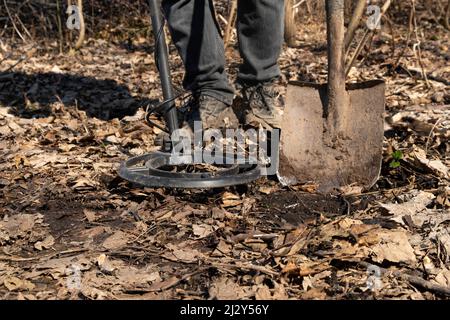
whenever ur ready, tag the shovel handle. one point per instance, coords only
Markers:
(336, 60)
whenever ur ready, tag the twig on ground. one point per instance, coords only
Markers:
(22, 58)
(247, 266)
(414, 280)
(430, 134)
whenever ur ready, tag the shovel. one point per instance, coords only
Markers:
(332, 134)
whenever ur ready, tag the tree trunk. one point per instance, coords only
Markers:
(290, 28)
(354, 22)
(82, 26)
(447, 16)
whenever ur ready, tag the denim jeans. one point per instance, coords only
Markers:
(196, 34)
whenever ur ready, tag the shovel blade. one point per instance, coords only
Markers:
(306, 155)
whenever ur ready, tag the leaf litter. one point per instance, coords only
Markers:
(70, 229)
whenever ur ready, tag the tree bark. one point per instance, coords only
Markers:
(290, 28)
(447, 16)
(82, 26)
(354, 22)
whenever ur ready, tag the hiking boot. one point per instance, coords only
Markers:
(213, 113)
(263, 105)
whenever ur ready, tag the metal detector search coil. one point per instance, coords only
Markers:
(148, 170)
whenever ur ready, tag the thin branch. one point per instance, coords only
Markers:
(12, 21)
(230, 23)
(82, 26)
(60, 30)
(416, 48)
(355, 21)
(408, 39)
(414, 280)
(366, 37)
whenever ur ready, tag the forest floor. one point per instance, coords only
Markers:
(71, 229)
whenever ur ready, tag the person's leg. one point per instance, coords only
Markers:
(195, 33)
(260, 25)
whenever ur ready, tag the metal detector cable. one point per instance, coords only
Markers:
(158, 108)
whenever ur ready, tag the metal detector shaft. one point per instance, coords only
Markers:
(150, 170)
(162, 62)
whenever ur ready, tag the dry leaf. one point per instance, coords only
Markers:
(222, 248)
(351, 190)
(104, 264)
(314, 294)
(18, 130)
(20, 225)
(263, 293)
(47, 243)
(218, 213)
(419, 158)
(418, 203)
(187, 255)
(267, 190)
(307, 283)
(90, 215)
(116, 241)
(41, 160)
(247, 205)
(180, 216)
(428, 265)
(226, 289)
(256, 245)
(202, 230)
(231, 200)
(393, 247)
(22, 296)
(21, 160)
(443, 198)
(16, 284)
(133, 277)
(65, 147)
(84, 184)
(157, 286)
(94, 293)
(443, 278)
(310, 188)
(443, 239)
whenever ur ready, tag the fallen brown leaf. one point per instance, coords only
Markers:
(47, 243)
